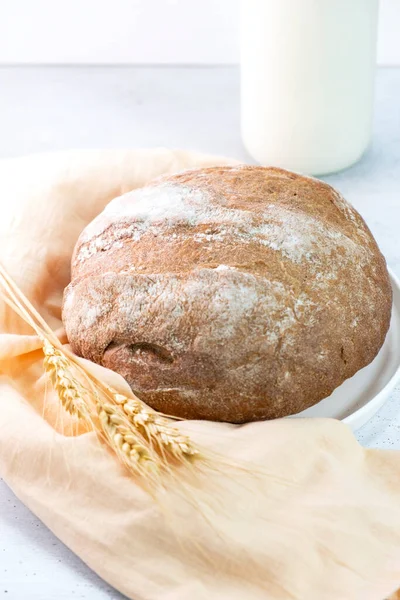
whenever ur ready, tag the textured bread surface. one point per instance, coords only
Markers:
(229, 293)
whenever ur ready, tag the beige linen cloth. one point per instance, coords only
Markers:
(320, 521)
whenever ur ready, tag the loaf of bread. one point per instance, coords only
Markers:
(229, 293)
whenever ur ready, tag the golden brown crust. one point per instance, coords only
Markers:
(229, 293)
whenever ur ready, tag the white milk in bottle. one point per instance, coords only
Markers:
(307, 81)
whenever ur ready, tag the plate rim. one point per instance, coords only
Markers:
(376, 401)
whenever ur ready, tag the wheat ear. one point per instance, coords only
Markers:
(165, 438)
(70, 391)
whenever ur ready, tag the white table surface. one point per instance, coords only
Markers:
(53, 108)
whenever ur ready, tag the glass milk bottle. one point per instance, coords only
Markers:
(307, 81)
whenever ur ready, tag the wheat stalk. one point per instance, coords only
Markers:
(118, 414)
(143, 440)
(88, 402)
(78, 401)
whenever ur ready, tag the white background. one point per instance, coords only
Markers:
(141, 31)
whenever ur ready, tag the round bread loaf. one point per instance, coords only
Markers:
(229, 293)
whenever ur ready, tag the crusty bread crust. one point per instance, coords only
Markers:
(229, 293)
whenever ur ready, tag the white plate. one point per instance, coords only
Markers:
(358, 399)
